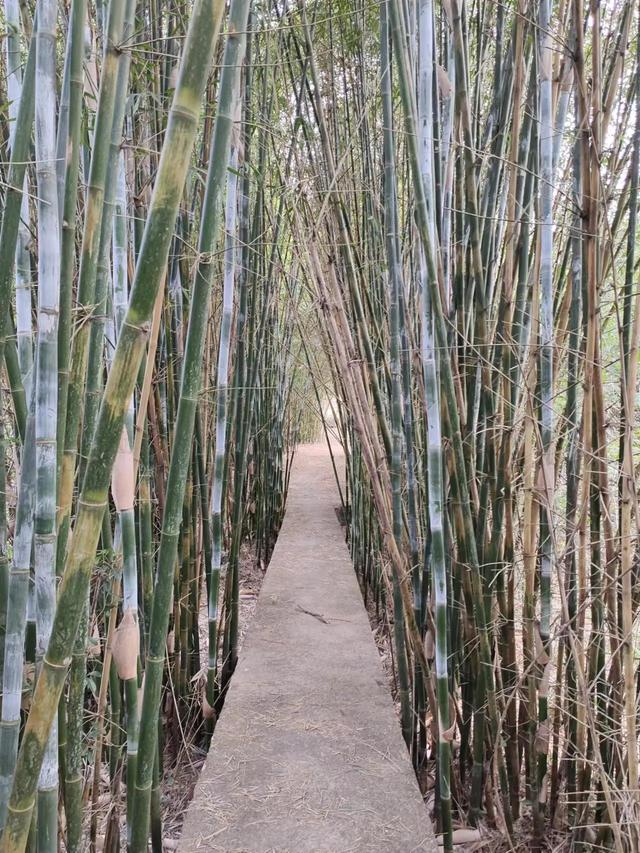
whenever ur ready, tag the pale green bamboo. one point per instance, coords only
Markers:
(46, 391)
(126, 515)
(221, 421)
(17, 619)
(546, 137)
(23, 281)
(430, 367)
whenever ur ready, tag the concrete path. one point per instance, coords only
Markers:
(308, 756)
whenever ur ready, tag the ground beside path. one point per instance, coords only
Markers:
(308, 754)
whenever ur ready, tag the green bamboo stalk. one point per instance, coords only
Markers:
(203, 489)
(13, 61)
(127, 648)
(4, 551)
(12, 363)
(189, 391)
(145, 533)
(22, 257)
(69, 143)
(17, 620)
(125, 504)
(20, 151)
(23, 280)
(74, 730)
(102, 271)
(23, 300)
(573, 474)
(629, 358)
(89, 257)
(68, 168)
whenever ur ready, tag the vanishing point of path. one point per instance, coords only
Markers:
(308, 756)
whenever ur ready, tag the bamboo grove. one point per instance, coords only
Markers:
(217, 218)
(150, 405)
(468, 229)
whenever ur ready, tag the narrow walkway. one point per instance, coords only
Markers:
(308, 756)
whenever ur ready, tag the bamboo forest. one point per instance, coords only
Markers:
(402, 233)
